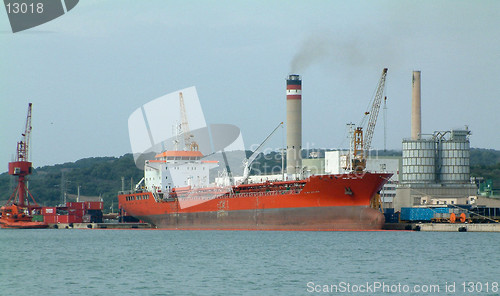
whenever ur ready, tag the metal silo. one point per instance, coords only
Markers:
(419, 161)
(454, 157)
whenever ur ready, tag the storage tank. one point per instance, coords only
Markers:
(454, 155)
(419, 161)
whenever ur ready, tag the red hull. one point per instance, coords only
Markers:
(23, 225)
(329, 202)
(14, 217)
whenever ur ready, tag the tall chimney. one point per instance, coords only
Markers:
(416, 125)
(293, 124)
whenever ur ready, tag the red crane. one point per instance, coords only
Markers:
(21, 167)
(17, 213)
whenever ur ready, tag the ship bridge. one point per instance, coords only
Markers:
(179, 155)
(172, 169)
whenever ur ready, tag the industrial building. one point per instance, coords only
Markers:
(314, 165)
(436, 168)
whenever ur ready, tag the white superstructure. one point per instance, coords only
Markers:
(173, 169)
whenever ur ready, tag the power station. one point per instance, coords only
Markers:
(436, 167)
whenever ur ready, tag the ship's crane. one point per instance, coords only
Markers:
(362, 144)
(248, 161)
(189, 144)
(22, 167)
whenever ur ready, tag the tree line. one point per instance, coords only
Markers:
(102, 176)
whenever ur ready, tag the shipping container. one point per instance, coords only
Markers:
(69, 219)
(86, 218)
(95, 216)
(52, 219)
(76, 212)
(416, 214)
(37, 218)
(76, 205)
(62, 218)
(75, 219)
(391, 217)
(441, 210)
(389, 211)
(94, 205)
(49, 211)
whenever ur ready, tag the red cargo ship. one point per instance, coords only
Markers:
(321, 202)
(177, 193)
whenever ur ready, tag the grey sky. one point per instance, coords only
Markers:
(88, 70)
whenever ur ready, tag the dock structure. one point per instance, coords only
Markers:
(101, 226)
(444, 227)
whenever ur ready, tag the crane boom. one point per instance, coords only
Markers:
(24, 145)
(361, 141)
(370, 129)
(247, 162)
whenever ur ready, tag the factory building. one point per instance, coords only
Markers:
(314, 165)
(435, 168)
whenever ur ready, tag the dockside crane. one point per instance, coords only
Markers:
(362, 141)
(22, 167)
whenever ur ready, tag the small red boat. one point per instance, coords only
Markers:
(14, 216)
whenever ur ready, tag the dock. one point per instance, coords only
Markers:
(101, 226)
(444, 227)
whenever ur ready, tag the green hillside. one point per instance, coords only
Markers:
(102, 176)
(96, 176)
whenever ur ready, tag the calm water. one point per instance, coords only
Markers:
(160, 262)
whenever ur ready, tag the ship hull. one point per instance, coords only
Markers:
(331, 202)
(21, 224)
(12, 216)
(312, 219)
